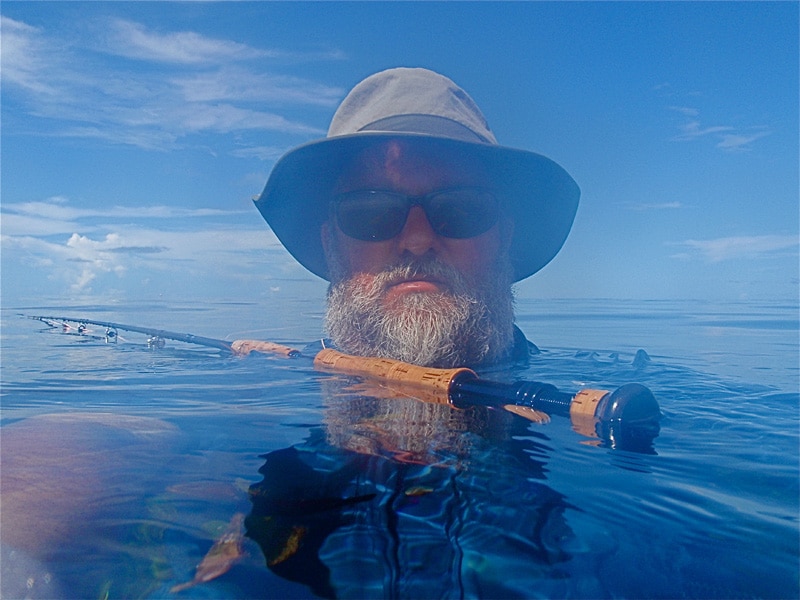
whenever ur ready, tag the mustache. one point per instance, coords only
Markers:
(420, 268)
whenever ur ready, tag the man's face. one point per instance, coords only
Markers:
(418, 296)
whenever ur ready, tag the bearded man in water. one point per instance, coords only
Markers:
(421, 222)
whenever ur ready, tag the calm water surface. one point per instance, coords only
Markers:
(122, 465)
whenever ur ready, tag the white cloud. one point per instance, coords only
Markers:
(208, 86)
(263, 153)
(236, 83)
(737, 141)
(55, 216)
(225, 118)
(115, 133)
(686, 110)
(133, 40)
(728, 137)
(645, 206)
(80, 250)
(80, 260)
(25, 56)
(692, 130)
(740, 247)
(77, 262)
(28, 224)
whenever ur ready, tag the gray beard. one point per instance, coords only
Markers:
(469, 324)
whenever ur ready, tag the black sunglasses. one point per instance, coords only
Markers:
(379, 215)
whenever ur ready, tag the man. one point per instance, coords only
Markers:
(420, 221)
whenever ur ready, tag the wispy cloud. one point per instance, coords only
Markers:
(740, 247)
(264, 153)
(727, 137)
(180, 84)
(691, 130)
(738, 141)
(133, 40)
(235, 83)
(648, 206)
(56, 215)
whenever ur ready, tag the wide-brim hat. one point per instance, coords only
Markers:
(430, 111)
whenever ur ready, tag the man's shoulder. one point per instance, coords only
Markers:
(523, 347)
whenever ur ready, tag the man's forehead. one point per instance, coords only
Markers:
(403, 163)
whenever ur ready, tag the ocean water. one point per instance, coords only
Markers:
(122, 464)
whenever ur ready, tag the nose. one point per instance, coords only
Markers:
(417, 236)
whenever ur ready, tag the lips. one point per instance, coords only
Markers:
(418, 277)
(413, 286)
(418, 285)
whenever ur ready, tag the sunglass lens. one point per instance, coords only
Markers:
(462, 213)
(371, 215)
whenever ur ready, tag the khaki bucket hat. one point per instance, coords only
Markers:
(429, 110)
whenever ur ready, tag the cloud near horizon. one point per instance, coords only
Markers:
(77, 246)
(740, 247)
(83, 258)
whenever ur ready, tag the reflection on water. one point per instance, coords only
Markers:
(405, 500)
(150, 457)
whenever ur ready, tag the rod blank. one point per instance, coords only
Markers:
(627, 418)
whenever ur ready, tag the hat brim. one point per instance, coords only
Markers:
(539, 195)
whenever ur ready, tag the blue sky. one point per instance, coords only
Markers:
(134, 136)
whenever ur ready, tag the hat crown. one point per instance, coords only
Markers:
(405, 100)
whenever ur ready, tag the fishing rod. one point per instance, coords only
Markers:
(156, 339)
(627, 418)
